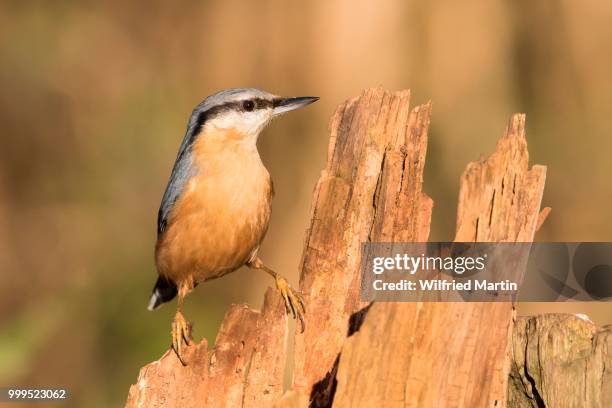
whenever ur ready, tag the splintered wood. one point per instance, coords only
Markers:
(499, 199)
(244, 368)
(370, 190)
(450, 354)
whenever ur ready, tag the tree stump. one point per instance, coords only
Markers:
(560, 360)
(388, 354)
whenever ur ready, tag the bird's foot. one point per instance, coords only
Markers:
(294, 302)
(181, 336)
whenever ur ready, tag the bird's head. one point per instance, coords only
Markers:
(242, 112)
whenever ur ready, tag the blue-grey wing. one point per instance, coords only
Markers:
(183, 170)
(181, 173)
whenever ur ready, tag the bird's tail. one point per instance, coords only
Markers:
(163, 291)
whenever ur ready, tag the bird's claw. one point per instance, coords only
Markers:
(181, 336)
(294, 302)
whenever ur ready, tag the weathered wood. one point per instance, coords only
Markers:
(560, 361)
(383, 354)
(499, 199)
(450, 354)
(244, 368)
(370, 189)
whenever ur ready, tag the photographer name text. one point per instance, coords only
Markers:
(445, 285)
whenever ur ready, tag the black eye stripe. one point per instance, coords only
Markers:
(262, 103)
(258, 103)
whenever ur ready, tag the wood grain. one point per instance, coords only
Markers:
(560, 361)
(244, 368)
(370, 188)
(449, 354)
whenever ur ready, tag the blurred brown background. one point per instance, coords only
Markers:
(95, 98)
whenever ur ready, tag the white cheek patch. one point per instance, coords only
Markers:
(250, 124)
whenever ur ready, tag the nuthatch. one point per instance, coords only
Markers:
(216, 208)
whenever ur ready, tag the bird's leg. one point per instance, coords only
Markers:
(294, 302)
(181, 328)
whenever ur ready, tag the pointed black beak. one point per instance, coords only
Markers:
(283, 105)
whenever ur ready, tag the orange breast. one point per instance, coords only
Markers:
(220, 218)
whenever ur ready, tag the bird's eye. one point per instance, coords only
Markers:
(248, 106)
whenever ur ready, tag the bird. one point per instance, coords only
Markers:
(216, 208)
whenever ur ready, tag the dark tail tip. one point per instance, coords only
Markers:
(163, 291)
